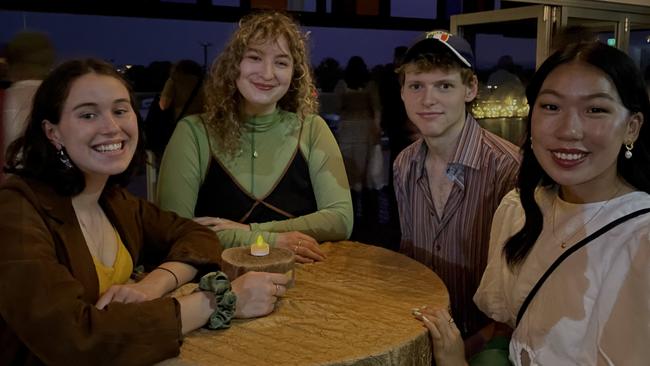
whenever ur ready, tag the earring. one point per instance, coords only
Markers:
(64, 158)
(628, 153)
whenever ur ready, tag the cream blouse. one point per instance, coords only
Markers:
(594, 309)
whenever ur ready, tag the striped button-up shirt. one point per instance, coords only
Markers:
(483, 169)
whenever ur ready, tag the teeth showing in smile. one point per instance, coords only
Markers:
(110, 147)
(565, 156)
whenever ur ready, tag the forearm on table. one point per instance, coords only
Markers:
(237, 237)
(323, 225)
(196, 309)
(164, 278)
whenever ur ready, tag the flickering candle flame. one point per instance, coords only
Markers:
(259, 248)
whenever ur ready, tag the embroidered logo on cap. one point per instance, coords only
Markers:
(440, 35)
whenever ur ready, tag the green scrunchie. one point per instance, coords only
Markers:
(219, 284)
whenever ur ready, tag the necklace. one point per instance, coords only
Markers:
(564, 242)
(253, 148)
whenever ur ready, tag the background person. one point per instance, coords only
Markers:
(358, 134)
(30, 56)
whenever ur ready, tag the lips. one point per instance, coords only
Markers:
(429, 115)
(568, 158)
(264, 87)
(109, 147)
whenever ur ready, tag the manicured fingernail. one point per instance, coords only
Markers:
(417, 313)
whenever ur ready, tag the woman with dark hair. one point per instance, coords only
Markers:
(72, 236)
(185, 76)
(260, 161)
(569, 250)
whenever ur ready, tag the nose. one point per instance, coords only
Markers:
(267, 70)
(569, 126)
(110, 124)
(429, 97)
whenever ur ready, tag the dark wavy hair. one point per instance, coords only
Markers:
(629, 84)
(34, 156)
(356, 74)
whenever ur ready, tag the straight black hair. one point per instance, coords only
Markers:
(631, 89)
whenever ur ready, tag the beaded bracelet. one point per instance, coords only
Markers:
(219, 284)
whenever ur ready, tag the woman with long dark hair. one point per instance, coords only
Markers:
(72, 235)
(569, 250)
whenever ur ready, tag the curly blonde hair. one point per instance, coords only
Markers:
(224, 117)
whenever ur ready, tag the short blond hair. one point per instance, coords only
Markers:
(442, 61)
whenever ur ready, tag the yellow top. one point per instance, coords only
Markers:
(121, 270)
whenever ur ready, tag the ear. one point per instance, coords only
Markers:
(633, 128)
(52, 133)
(472, 89)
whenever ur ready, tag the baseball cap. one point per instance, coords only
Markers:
(439, 41)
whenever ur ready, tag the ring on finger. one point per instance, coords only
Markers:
(277, 289)
(451, 321)
(295, 249)
(300, 242)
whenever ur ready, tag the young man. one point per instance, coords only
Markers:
(450, 181)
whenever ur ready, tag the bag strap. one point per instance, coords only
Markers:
(568, 252)
(186, 106)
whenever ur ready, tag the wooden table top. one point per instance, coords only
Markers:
(352, 309)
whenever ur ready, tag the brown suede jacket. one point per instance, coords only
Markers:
(48, 283)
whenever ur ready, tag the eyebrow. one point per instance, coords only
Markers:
(91, 104)
(444, 80)
(585, 97)
(257, 50)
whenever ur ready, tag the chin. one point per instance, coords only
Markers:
(112, 169)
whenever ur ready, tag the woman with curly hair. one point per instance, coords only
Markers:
(259, 161)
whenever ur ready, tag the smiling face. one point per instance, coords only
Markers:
(435, 100)
(578, 127)
(98, 126)
(265, 73)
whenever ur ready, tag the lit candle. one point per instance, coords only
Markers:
(259, 248)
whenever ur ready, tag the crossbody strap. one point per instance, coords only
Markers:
(568, 252)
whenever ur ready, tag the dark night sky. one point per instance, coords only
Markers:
(140, 41)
